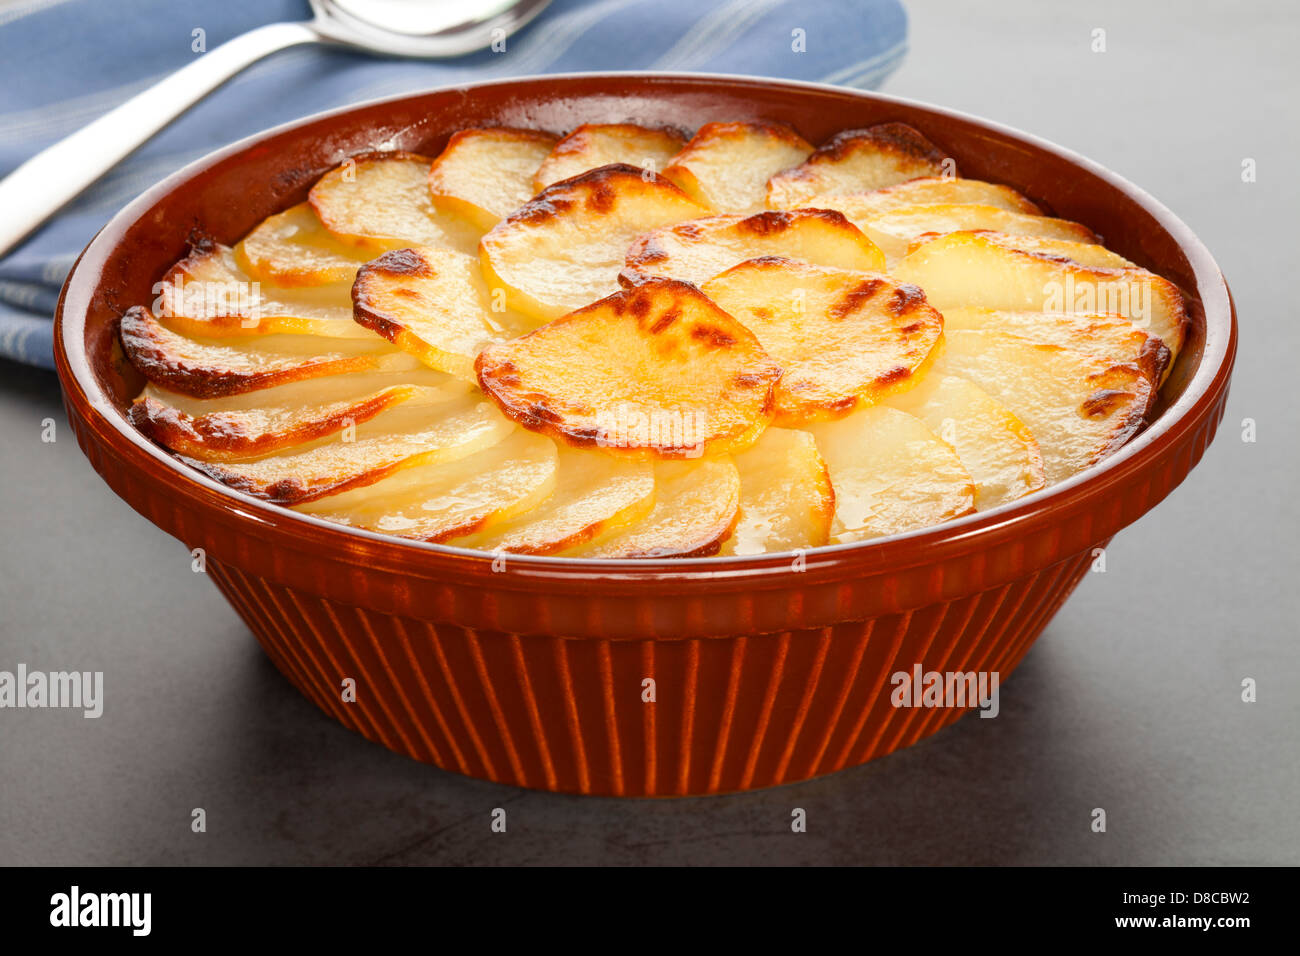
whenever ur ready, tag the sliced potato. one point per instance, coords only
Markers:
(485, 174)
(858, 161)
(381, 201)
(656, 370)
(726, 166)
(434, 304)
(447, 499)
(595, 494)
(208, 368)
(598, 144)
(565, 248)
(293, 248)
(993, 444)
(890, 474)
(1079, 408)
(695, 509)
(894, 230)
(786, 499)
(1089, 254)
(401, 437)
(843, 338)
(926, 191)
(1110, 337)
(699, 249)
(978, 270)
(257, 423)
(207, 294)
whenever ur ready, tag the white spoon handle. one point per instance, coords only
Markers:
(57, 174)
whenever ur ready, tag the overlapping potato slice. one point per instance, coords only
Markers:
(696, 505)
(595, 495)
(599, 144)
(858, 161)
(207, 294)
(1110, 337)
(929, 190)
(891, 474)
(726, 166)
(208, 368)
(565, 248)
(434, 304)
(993, 444)
(294, 249)
(978, 270)
(401, 437)
(257, 423)
(786, 499)
(485, 174)
(893, 231)
(656, 370)
(843, 338)
(1091, 254)
(447, 499)
(1079, 408)
(381, 201)
(699, 249)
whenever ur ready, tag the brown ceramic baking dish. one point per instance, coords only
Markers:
(766, 669)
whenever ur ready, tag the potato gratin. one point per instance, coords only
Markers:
(623, 343)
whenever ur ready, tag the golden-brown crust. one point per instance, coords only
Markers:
(897, 139)
(221, 436)
(556, 198)
(289, 491)
(145, 342)
(567, 419)
(402, 263)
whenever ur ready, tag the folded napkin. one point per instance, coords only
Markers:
(65, 62)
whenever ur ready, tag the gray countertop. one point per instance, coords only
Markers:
(1130, 701)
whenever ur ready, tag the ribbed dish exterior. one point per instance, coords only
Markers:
(552, 713)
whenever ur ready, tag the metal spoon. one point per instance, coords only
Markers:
(408, 28)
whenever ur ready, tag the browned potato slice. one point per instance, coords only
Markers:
(699, 249)
(432, 303)
(595, 494)
(401, 437)
(208, 368)
(253, 424)
(292, 249)
(485, 174)
(1110, 337)
(695, 509)
(654, 371)
(890, 474)
(843, 338)
(381, 201)
(207, 294)
(977, 270)
(565, 248)
(726, 166)
(993, 444)
(447, 499)
(858, 161)
(894, 230)
(926, 191)
(598, 144)
(786, 500)
(1079, 408)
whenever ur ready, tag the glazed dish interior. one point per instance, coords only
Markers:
(638, 342)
